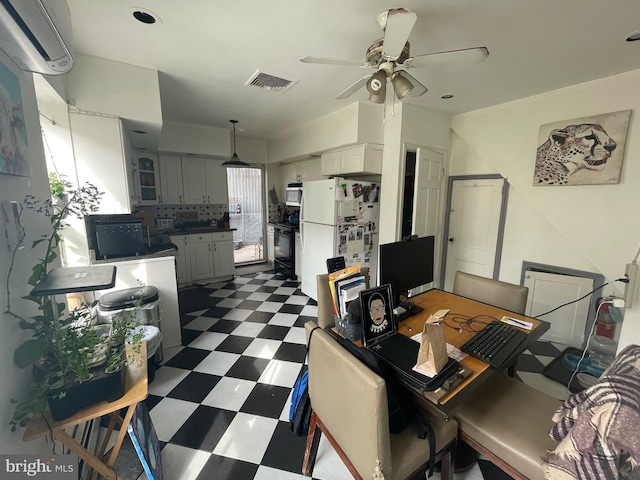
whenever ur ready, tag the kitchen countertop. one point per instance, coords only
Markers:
(168, 252)
(190, 230)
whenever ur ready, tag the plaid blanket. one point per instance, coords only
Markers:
(599, 428)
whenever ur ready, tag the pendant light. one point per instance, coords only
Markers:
(234, 161)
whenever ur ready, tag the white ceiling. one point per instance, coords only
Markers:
(206, 50)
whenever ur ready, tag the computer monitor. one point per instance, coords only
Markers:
(405, 265)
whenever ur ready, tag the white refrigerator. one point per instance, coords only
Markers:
(338, 217)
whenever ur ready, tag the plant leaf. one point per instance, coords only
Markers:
(29, 352)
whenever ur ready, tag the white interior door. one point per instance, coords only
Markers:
(427, 201)
(549, 290)
(474, 222)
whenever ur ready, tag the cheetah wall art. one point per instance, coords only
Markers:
(582, 151)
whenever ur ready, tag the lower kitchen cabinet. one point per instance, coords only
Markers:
(270, 243)
(201, 254)
(223, 261)
(183, 259)
(204, 256)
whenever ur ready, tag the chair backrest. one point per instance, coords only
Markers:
(494, 292)
(351, 401)
(325, 303)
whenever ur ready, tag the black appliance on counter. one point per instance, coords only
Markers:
(284, 250)
(120, 236)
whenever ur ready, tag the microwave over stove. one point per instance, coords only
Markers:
(293, 195)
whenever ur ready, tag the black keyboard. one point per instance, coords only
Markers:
(494, 343)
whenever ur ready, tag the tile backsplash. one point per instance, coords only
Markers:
(204, 212)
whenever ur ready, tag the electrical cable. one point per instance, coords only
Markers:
(584, 352)
(622, 279)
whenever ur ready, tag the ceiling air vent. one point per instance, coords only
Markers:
(270, 82)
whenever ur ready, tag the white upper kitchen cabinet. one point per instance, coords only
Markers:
(100, 158)
(365, 158)
(194, 180)
(171, 180)
(204, 181)
(216, 176)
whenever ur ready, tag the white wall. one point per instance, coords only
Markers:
(405, 125)
(189, 138)
(100, 85)
(355, 123)
(594, 227)
(15, 381)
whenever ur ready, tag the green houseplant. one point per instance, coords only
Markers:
(64, 346)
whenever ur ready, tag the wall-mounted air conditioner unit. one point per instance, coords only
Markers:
(37, 35)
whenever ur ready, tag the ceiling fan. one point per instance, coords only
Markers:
(390, 57)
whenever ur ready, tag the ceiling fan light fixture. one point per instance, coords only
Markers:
(378, 97)
(234, 161)
(401, 85)
(377, 83)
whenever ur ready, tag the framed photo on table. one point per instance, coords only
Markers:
(378, 320)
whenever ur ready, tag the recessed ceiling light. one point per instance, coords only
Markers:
(447, 96)
(634, 37)
(145, 16)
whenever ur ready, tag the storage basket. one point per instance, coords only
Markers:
(351, 331)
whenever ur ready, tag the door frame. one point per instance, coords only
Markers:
(447, 213)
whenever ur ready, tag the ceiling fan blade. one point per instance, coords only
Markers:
(465, 55)
(398, 26)
(353, 88)
(418, 88)
(335, 61)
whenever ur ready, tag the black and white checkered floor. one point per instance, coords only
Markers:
(220, 404)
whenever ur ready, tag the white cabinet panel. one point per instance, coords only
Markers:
(98, 146)
(270, 243)
(330, 163)
(201, 255)
(365, 158)
(183, 259)
(171, 179)
(194, 180)
(216, 183)
(223, 260)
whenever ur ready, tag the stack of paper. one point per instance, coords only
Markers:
(345, 285)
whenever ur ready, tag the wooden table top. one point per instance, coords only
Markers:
(458, 330)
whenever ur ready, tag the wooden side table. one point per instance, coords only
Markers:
(135, 391)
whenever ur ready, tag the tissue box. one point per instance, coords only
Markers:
(351, 331)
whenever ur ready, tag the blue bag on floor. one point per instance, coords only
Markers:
(300, 411)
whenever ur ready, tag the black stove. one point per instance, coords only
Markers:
(284, 249)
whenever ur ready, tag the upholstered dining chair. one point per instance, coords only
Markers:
(494, 292)
(349, 403)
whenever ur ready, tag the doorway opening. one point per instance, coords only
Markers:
(246, 214)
